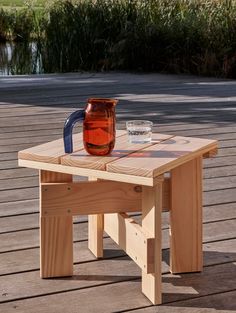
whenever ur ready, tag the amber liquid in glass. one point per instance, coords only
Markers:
(99, 136)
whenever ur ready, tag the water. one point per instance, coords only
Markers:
(140, 134)
(99, 136)
(20, 58)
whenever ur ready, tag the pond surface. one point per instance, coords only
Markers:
(20, 58)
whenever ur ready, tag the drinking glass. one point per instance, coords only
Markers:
(139, 131)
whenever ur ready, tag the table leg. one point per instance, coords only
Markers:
(186, 217)
(151, 223)
(56, 237)
(95, 232)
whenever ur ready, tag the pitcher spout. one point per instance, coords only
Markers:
(105, 101)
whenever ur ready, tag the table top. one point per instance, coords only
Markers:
(128, 162)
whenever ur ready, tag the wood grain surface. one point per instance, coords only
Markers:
(178, 105)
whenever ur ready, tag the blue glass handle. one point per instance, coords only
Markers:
(68, 128)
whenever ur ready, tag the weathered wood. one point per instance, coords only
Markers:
(19, 182)
(211, 184)
(19, 194)
(224, 302)
(28, 128)
(31, 111)
(220, 161)
(212, 197)
(25, 239)
(19, 207)
(21, 222)
(41, 119)
(8, 156)
(221, 230)
(30, 257)
(114, 271)
(17, 172)
(8, 164)
(26, 134)
(214, 253)
(219, 212)
(216, 279)
(220, 196)
(219, 183)
(28, 140)
(28, 221)
(184, 106)
(222, 171)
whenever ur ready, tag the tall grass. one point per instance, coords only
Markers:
(176, 36)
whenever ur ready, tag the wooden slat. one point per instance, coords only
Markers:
(31, 258)
(8, 164)
(113, 271)
(28, 140)
(89, 198)
(24, 220)
(214, 253)
(19, 207)
(132, 239)
(146, 181)
(22, 182)
(213, 232)
(222, 171)
(151, 223)
(17, 172)
(56, 235)
(126, 298)
(50, 152)
(29, 134)
(160, 158)
(122, 148)
(26, 239)
(216, 279)
(186, 218)
(19, 194)
(95, 232)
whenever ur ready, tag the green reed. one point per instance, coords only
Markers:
(175, 36)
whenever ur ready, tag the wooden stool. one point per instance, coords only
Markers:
(131, 179)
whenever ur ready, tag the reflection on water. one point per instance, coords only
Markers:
(20, 58)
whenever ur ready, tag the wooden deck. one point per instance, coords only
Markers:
(32, 111)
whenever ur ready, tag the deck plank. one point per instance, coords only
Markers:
(215, 279)
(25, 239)
(32, 111)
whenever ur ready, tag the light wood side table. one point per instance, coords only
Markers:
(163, 174)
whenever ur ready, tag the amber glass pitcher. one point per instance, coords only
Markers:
(99, 129)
